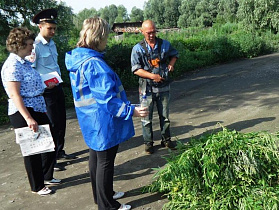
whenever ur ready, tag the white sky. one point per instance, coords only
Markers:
(79, 5)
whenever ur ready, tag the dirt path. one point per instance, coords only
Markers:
(243, 95)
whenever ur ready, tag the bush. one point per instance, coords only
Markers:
(118, 57)
(250, 44)
(222, 170)
(224, 49)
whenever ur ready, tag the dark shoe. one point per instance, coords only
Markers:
(169, 144)
(58, 168)
(149, 148)
(66, 156)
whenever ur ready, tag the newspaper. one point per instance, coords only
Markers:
(34, 142)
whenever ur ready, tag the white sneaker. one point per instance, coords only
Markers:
(53, 181)
(44, 191)
(125, 207)
(118, 195)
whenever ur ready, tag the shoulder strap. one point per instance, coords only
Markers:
(143, 44)
(160, 41)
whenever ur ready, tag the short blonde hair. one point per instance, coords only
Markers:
(17, 39)
(94, 31)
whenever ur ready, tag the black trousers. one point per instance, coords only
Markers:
(101, 169)
(56, 112)
(39, 167)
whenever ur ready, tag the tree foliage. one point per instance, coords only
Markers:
(227, 10)
(20, 12)
(261, 14)
(122, 15)
(155, 10)
(82, 15)
(136, 15)
(109, 13)
(171, 14)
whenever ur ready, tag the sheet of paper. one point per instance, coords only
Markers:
(34, 143)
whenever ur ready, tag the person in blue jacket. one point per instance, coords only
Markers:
(103, 111)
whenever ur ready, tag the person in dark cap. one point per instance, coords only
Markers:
(45, 62)
(48, 16)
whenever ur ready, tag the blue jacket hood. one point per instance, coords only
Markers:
(75, 58)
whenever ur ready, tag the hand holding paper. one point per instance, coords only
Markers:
(51, 79)
(34, 142)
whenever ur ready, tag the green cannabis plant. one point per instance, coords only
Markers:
(223, 170)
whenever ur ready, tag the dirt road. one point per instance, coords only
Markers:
(243, 95)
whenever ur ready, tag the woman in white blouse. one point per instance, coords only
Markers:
(26, 105)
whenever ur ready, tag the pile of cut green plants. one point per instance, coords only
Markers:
(225, 169)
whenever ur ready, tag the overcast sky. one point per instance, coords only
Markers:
(79, 5)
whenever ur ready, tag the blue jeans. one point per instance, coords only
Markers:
(162, 102)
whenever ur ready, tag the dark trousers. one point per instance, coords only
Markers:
(56, 112)
(101, 169)
(39, 167)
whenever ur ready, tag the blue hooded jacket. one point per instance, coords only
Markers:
(103, 111)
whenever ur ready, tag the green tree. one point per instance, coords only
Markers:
(206, 11)
(227, 10)
(109, 13)
(4, 29)
(171, 14)
(122, 15)
(113, 12)
(20, 12)
(82, 15)
(154, 10)
(261, 14)
(188, 13)
(136, 15)
(147, 12)
(245, 13)
(104, 13)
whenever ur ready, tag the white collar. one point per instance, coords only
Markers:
(42, 39)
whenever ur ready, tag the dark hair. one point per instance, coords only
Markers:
(17, 39)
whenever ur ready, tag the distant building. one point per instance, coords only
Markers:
(128, 27)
